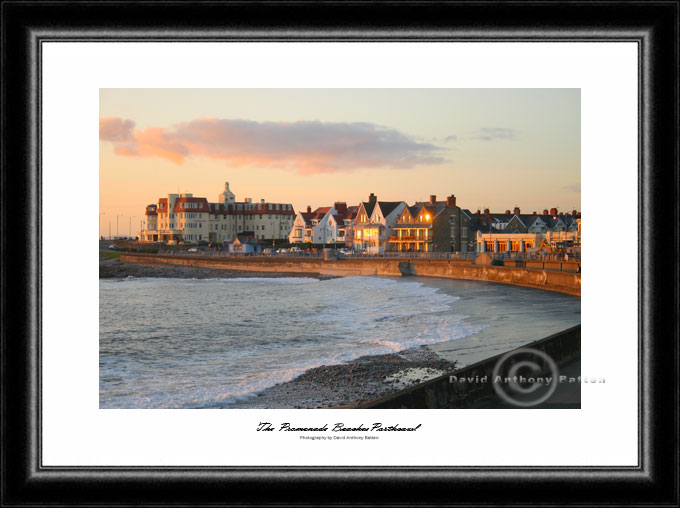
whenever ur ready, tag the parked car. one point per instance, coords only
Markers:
(193, 249)
(267, 251)
(283, 251)
(113, 246)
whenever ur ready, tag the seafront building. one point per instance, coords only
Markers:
(185, 218)
(433, 226)
(374, 224)
(330, 224)
(372, 227)
(549, 231)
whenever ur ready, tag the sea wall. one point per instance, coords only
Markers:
(441, 393)
(552, 280)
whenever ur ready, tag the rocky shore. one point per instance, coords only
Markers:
(345, 385)
(115, 269)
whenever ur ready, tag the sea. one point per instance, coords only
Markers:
(207, 343)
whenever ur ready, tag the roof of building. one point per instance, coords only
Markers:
(369, 206)
(201, 205)
(252, 208)
(387, 207)
(317, 214)
(245, 240)
(351, 212)
(477, 220)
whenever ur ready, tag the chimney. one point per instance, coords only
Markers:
(553, 211)
(262, 201)
(516, 210)
(309, 209)
(433, 198)
(507, 212)
(574, 212)
(534, 212)
(451, 200)
(372, 198)
(340, 207)
(488, 215)
(545, 212)
(478, 211)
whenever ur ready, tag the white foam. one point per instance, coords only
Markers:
(310, 323)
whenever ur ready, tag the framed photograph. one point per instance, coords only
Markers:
(339, 253)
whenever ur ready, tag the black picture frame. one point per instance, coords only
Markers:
(653, 25)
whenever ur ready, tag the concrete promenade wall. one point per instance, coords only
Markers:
(564, 282)
(440, 393)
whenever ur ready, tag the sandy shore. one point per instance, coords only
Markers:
(114, 269)
(344, 385)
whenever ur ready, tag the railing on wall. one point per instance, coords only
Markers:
(498, 256)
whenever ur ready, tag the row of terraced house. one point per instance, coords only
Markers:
(376, 227)
(372, 226)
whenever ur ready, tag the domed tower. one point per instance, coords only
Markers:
(227, 197)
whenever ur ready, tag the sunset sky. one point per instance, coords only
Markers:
(492, 148)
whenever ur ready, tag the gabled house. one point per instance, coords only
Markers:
(340, 223)
(345, 222)
(433, 226)
(308, 226)
(375, 224)
(323, 225)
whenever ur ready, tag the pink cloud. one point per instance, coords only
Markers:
(115, 129)
(303, 146)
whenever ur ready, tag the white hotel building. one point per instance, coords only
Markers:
(189, 219)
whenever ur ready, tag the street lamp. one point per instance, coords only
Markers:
(100, 223)
(117, 234)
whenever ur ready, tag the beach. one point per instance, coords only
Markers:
(347, 384)
(285, 358)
